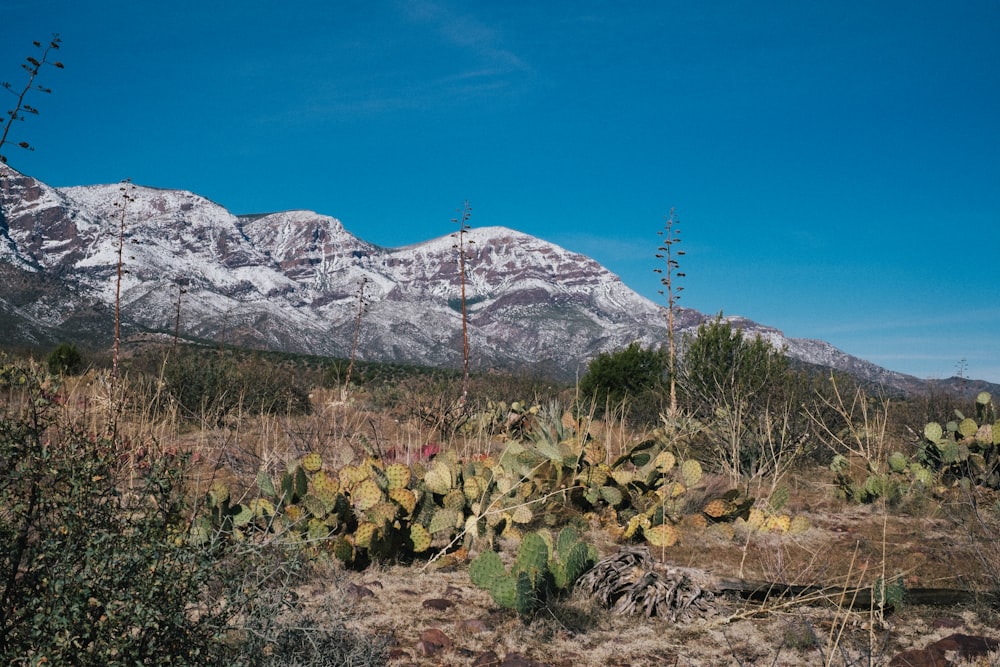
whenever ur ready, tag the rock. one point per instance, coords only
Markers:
(518, 660)
(937, 653)
(438, 604)
(486, 659)
(437, 637)
(472, 626)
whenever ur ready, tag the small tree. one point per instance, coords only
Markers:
(612, 377)
(737, 384)
(65, 360)
(33, 66)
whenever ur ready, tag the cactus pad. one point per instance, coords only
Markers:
(486, 570)
(312, 462)
(397, 476)
(779, 523)
(218, 494)
(611, 495)
(382, 513)
(420, 537)
(366, 495)
(364, 534)
(933, 431)
(324, 486)
(799, 525)
(897, 462)
(454, 500)
(968, 427)
(691, 472)
(664, 461)
(406, 499)
(661, 536)
(717, 508)
(444, 520)
(522, 515)
(439, 479)
(243, 516)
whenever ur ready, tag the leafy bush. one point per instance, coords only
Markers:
(97, 567)
(65, 360)
(213, 384)
(630, 373)
(745, 392)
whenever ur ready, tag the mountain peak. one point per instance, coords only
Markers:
(290, 280)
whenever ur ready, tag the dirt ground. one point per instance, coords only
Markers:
(438, 617)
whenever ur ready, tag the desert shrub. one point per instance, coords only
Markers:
(635, 374)
(745, 392)
(98, 567)
(213, 384)
(65, 360)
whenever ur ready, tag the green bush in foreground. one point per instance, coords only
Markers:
(97, 569)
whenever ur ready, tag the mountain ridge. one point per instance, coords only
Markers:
(289, 280)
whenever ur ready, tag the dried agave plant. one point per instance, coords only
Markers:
(630, 582)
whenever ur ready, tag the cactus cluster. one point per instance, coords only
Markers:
(543, 568)
(965, 449)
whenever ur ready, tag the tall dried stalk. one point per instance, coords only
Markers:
(460, 244)
(670, 273)
(33, 66)
(357, 334)
(127, 195)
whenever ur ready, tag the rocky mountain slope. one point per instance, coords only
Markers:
(291, 281)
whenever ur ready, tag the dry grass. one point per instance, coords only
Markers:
(943, 541)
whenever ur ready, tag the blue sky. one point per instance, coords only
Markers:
(835, 164)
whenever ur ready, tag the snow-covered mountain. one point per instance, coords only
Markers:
(291, 280)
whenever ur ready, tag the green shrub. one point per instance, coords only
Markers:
(213, 384)
(65, 360)
(613, 377)
(97, 567)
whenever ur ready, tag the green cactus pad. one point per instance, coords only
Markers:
(983, 398)
(242, 516)
(532, 557)
(933, 431)
(397, 476)
(364, 534)
(420, 537)
(454, 500)
(315, 506)
(778, 499)
(897, 462)
(317, 530)
(311, 462)
(439, 479)
(691, 472)
(343, 550)
(218, 494)
(611, 495)
(445, 520)
(967, 427)
(366, 495)
(799, 525)
(201, 531)
(515, 592)
(265, 485)
(486, 570)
